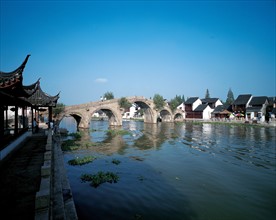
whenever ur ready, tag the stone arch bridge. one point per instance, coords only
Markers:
(84, 112)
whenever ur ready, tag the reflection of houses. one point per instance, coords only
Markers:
(241, 103)
(257, 108)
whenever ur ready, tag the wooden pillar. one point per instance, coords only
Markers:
(32, 110)
(50, 116)
(7, 120)
(16, 120)
(2, 122)
(23, 117)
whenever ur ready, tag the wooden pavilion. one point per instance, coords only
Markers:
(41, 100)
(14, 94)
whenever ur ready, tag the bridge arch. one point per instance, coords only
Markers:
(76, 115)
(114, 117)
(150, 115)
(165, 115)
(178, 115)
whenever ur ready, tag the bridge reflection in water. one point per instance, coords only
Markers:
(177, 171)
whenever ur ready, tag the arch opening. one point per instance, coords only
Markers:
(144, 111)
(165, 116)
(70, 122)
(178, 117)
(113, 118)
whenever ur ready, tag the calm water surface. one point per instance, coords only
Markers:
(177, 171)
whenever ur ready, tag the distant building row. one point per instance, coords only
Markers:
(246, 107)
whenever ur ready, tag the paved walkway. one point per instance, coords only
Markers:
(20, 179)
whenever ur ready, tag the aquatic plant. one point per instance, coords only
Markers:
(81, 160)
(76, 136)
(99, 178)
(70, 148)
(115, 161)
(117, 132)
(69, 145)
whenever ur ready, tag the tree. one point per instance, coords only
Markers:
(58, 109)
(183, 98)
(108, 96)
(158, 101)
(176, 102)
(124, 103)
(230, 98)
(207, 94)
(173, 104)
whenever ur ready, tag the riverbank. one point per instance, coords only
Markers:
(232, 122)
(33, 182)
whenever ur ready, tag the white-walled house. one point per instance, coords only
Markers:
(256, 109)
(190, 105)
(131, 113)
(181, 107)
(212, 102)
(203, 112)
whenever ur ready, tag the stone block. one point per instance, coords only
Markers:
(42, 199)
(46, 170)
(48, 147)
(48, 155)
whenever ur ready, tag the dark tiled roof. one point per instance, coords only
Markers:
(200, 108)
(11, 78)
(40, 98)
(253, 109)
(191, 100)
(242, 99)
(219, 109)
(30, 89)
(258, 100)
(209, 100)
(11, 82)
(271, 100)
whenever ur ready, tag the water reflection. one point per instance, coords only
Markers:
(179, 171)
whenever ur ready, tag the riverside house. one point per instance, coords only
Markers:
(240, 104)
(190, 105)
(257, 108)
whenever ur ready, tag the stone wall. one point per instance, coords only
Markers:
(54, 199)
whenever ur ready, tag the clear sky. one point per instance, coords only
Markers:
(87, 48)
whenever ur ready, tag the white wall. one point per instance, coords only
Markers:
(196, 104)
(207, 113)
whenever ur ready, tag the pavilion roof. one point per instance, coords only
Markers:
(9, 100)
(11, 82)
(42, 99)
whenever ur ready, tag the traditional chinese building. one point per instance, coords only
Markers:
(16, 97)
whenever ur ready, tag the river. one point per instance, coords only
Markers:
(177, 171)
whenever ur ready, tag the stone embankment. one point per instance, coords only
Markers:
(54, 199)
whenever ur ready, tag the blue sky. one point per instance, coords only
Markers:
(86, 48)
